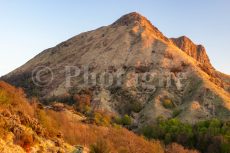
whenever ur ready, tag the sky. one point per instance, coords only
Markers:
(28, 27)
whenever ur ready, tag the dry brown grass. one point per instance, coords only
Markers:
(25, 140)
(119, 139)
(176, 148)
(14, 99)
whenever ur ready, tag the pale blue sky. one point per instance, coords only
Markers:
(27, 26)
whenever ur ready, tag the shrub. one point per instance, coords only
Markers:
(82, 103)
(25, 139)
(151, 132)
(167, 103)
(101, 119)
(100, 146)
(4, 99)
(135, 106)
(125, 120)
(176, 112)
(48, 122)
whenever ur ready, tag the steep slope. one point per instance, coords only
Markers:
(159, 76)
(198, 52)
(20, 130)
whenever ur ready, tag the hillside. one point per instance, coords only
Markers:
(20, 127)
(158, 76)
(28, 126)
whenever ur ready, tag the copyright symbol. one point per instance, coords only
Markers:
(42, 76)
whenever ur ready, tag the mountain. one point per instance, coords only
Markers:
(153, 76)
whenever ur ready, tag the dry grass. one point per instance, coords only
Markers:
(15, 99)
(119, 139)
(176, 148)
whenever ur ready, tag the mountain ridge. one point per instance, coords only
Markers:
(198, 52)
(134, 46)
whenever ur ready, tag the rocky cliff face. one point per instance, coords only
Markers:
(198, 52)
(131, 50)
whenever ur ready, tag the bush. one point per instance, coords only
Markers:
(151, 132)
(47, 122)
(24, 139)
(167, 103)
(126, 120)
(101, 119)
(4, 97)
(100, 146)
(176, 112)
(82, 102)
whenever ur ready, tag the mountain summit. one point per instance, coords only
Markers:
(182, 83)
(135, 19)
(131, 18)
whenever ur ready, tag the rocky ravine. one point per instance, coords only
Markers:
(184, 83)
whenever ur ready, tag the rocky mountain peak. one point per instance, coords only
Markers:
(198, 52)
(130, 18)
(135, 19)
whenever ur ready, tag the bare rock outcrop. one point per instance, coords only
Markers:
(198, 52)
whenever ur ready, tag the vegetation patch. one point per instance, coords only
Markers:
(125, 120)
(129, 102)
(207, 136)
(167, 103)
(176, 112)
